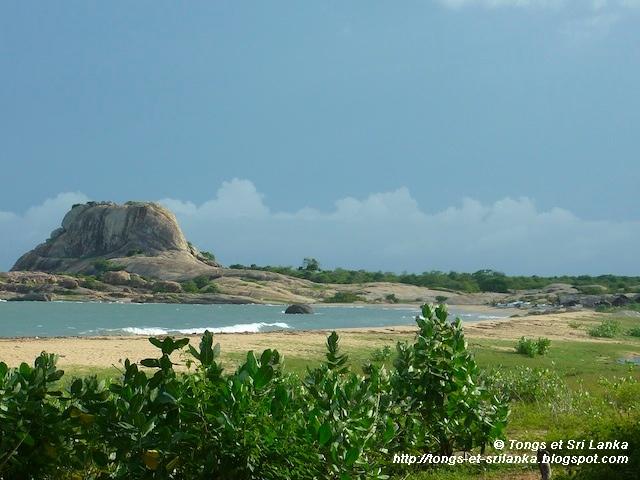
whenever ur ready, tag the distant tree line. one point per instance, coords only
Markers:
(480, 281)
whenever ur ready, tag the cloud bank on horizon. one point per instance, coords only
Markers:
(384, 231)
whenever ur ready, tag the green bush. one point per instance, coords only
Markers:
(190, 287)
(344, 297)
(391, 298)
(437, 382)
(381, 354)
(542, 345)
(254, 423)
(530, 347)
(526, 346)
(200, 284)
(202, 281)
(102, 265)
(528, 385)
(634, 332)
(609, 328)
(208, 255)
(441, 298)
(211, 288)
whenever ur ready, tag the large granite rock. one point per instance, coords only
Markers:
(143, 237)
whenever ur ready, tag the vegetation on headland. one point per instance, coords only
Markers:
(480, 281)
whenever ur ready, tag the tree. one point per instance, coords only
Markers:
(310, 265)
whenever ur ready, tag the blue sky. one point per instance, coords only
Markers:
(517, 118)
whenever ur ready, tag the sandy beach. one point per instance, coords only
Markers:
(107, 351)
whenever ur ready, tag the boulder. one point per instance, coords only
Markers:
(299, 308)
(167, 286)
(119, 277)
(620, 301)
(69, 283)
(33, 297)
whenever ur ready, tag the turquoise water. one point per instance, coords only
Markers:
(50, 319)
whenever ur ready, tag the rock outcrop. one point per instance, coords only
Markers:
(142, 237)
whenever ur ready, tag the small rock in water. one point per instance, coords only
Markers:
(299, 308)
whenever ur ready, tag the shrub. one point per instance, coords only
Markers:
(391, 298)
(208, 255)
(211, 288)
(609, 328)
(528, 385)
(530, 347)
(344, 297)
(634, 332)
(542, 345)
(202, 281)
(526, 346)
(446, 405)
(190, 287)
(135, 251)
(102, 265)
(381, 354)
(441, 298)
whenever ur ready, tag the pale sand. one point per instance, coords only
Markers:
(106, 351)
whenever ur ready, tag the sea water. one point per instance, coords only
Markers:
(50, 319)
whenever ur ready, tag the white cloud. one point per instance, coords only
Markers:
(390, 231)
(387, 231)
(21, 232)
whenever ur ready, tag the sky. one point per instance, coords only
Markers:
(417, 135)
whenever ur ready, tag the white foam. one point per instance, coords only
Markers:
(239, 328)
(143, 331)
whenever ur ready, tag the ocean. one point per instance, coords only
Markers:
(53, 319)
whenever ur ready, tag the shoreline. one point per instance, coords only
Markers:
(106, 351)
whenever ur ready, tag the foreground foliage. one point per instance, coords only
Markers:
(256, 422)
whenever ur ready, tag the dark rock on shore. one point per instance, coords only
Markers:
(299, 308)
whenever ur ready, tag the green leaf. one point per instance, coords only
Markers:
(352, 455)
(166, 398)
(150, 362)
(324, 434)
(262, 376)
(147, 427)
(76, 387)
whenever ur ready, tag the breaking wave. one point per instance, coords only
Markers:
(239, 328)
